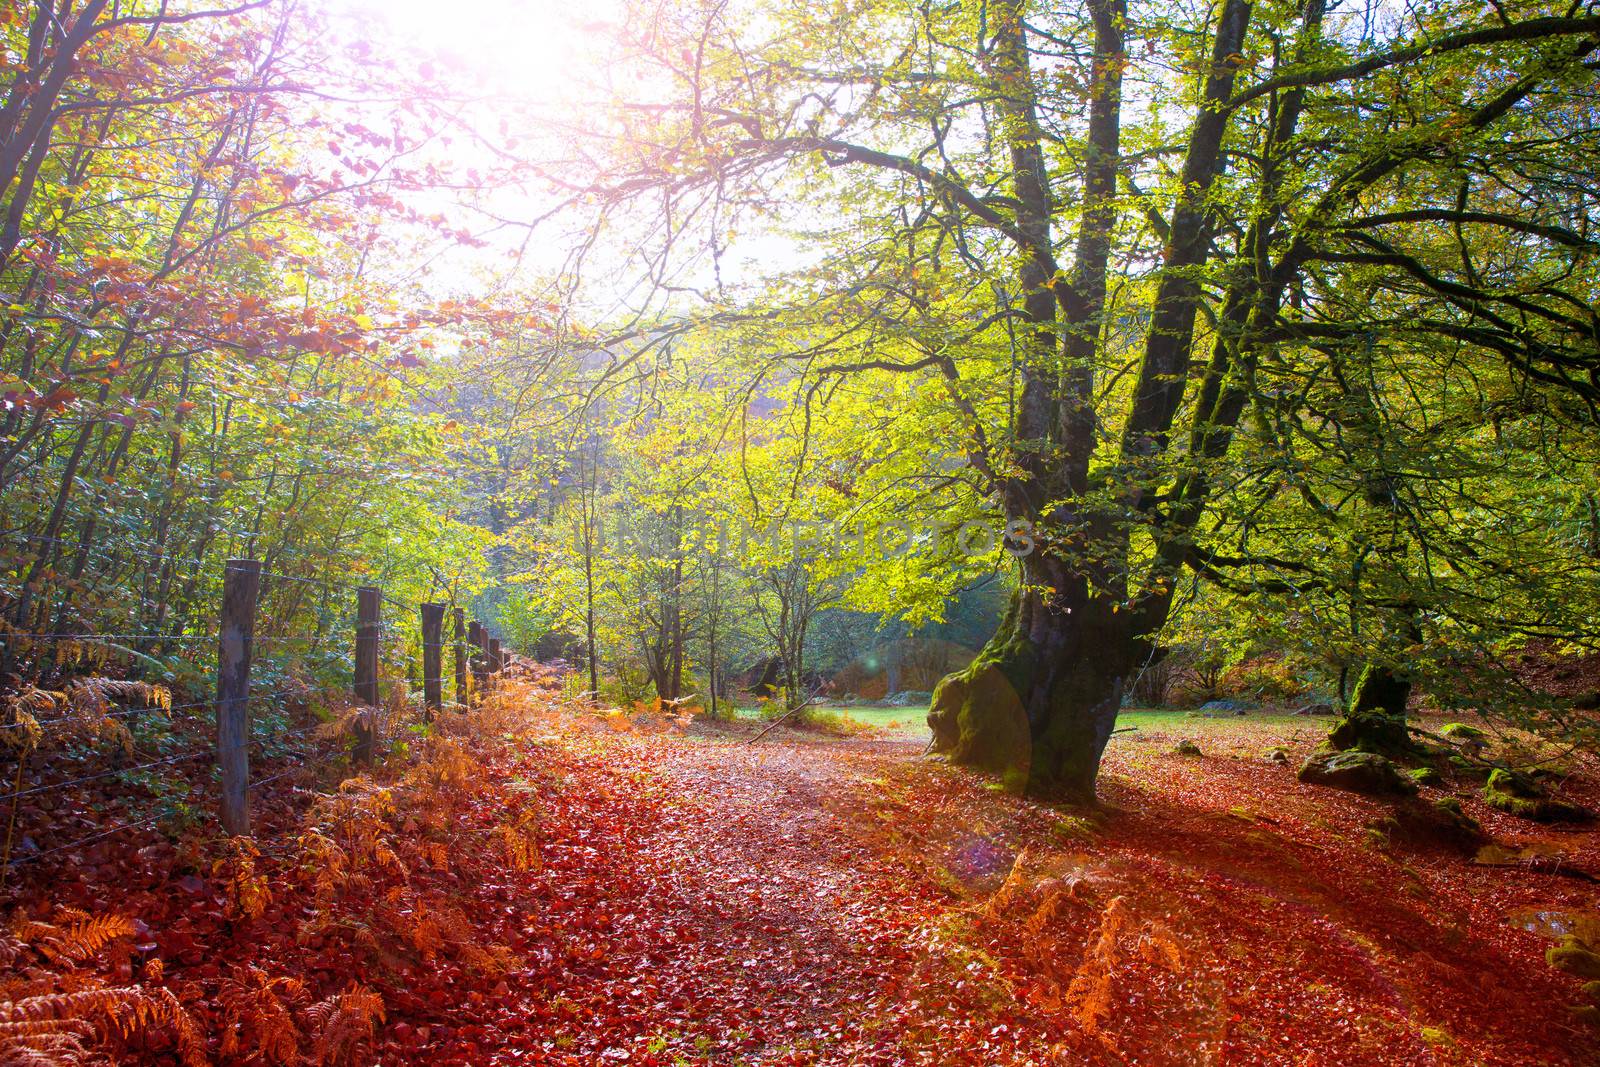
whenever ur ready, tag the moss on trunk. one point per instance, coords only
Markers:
(1038, 704)
(1375, 720)
(977, 715)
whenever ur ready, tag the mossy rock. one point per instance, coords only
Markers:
(1371, 731)
(1453, 825)
(1592, 990)
(1359, 772)
(1433, 1035)
(1276, 754)
(1516, 794)
(1575, 957)
(1586, 1013)
(1449, 809)
(1437, 823)
(1425, 776)
(1375, 719)
(1462, 732)
(1187, 748)
(977, 720)
(1462, 767)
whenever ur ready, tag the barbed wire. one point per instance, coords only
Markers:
(18, 861)
(119, 713)
(273, 778)
(384, 632)
(272, 746)
(326, 582)
(25, 635)
(19, 794)
(107, 549)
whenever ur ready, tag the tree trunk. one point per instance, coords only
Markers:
(1375, 721)
(1038, 704)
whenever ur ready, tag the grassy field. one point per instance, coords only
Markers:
(1147, 733)
(900, 722)
(1138, 725)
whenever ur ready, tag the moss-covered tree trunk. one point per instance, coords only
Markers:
(1375, 719)
(1038, 704)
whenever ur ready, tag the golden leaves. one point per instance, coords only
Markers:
(247, 891)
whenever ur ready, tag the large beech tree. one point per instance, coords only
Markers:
(1105, 229)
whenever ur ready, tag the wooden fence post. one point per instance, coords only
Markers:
(368, 626)
(496, 663)
(241, 585)
(480, 663)
(461, 656)
(432, 659)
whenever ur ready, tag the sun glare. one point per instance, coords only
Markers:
(532, 51)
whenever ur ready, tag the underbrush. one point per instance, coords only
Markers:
(308, 932)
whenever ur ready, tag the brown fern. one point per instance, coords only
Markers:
(519, 841)
(248, 894)
(90, 700)
(342, 1023)
(346, 721)
(34, 1028)
(1090, 992)
(20, 729)
(75, 937)
(259, 1011)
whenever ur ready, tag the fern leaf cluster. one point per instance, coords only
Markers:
(342, 1023)
(259, 1011)
(53, 1012)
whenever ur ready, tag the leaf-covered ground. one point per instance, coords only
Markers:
(690, 898)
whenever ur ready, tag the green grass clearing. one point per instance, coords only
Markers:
(905, 721)
(1172, 722)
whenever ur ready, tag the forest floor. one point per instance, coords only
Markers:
(698, 899)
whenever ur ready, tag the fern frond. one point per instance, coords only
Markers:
(519, 841)
(342, 1023)
(344, 723)
(78, 937)
(20, 730)
(259, 1013)
(61, 1022)
(90, 700)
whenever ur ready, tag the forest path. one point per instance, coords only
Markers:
(746, 917)
(811, 901)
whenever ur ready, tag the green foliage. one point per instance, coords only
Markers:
(524, 619)
(195, 364)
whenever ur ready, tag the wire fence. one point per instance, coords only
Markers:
(366, 633)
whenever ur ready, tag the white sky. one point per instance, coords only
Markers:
(529, 63)
(535, 50)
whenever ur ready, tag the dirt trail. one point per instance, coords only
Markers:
(834, 902)
(755, 925)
